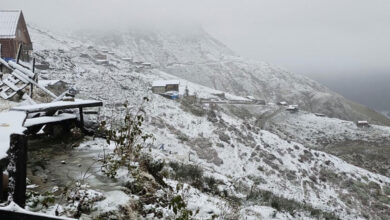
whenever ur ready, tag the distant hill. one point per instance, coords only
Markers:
(194, 55)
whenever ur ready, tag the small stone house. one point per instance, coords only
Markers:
(163, 86)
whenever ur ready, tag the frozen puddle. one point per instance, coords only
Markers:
(65, 167)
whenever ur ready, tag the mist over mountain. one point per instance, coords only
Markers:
(371, 89)
(220, 109)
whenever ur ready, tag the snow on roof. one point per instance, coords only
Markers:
(362, 122)
(10, 123)
(60, 104)
(165, 82)
(9, 22)
(292, 107)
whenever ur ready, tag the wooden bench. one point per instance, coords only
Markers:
(39, 115)
(30, 122)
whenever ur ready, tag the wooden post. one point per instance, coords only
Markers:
(1, 184)
(19, 53)
(35, 78)
(17, 169)
(81, 119)
(1, 67)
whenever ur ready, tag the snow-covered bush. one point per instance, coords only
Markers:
(128, 137)
(192, 174)
(36, 201)
(81, 199)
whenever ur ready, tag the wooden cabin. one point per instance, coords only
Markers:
(363, 124)
(292, 108)
(13, 31)
(127, 59)
(147, 65)
(100, 56)
(220, 95)
(283, 103)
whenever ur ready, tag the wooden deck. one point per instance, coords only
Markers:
(21, 121)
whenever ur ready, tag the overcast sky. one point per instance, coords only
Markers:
(327, 37)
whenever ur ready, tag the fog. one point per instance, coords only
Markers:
(322, 39)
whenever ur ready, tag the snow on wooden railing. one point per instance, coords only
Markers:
(10, 123)
(17, 169)
(24, 76)
(13, 211)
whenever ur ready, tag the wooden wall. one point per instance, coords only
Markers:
(9, 46)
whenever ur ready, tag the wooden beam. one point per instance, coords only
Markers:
(1, 69)
(35, 78)
(1, 185)
(25, 70)
(4, 63)
(81, 119)
(19, 53)
(21, 75)
(17, 169)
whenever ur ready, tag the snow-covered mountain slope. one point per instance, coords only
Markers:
(192, 54)
(386, 113)
(367, 147)
(319, 132)
(259, 175)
